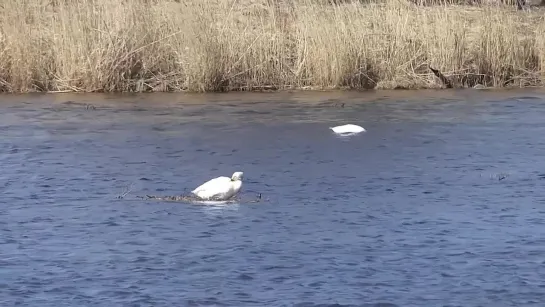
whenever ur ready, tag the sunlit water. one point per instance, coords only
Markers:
(439, 203)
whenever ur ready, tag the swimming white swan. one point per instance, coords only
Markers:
(221, 188)
(347, 129)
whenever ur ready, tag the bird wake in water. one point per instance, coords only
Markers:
(193, 199)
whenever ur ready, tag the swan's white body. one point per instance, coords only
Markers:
(347, 129)
(221, 188)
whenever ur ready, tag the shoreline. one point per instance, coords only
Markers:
(265, 100)
(289, 90)
(272, 89)
(143, 46)
(361, 93)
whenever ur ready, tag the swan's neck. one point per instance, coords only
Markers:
(237, 184)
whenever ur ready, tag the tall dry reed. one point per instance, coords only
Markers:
(195, 45)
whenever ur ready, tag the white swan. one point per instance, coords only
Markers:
(221, 188)
(347, 129)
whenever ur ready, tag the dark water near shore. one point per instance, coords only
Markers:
(440, 203)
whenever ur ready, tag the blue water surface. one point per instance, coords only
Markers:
(440, 203)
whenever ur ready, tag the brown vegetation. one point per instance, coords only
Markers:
(196, 45)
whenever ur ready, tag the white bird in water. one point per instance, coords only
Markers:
(347, 129)
(221, 188)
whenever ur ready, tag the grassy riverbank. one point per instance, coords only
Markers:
(145, 45)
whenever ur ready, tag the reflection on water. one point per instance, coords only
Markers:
(438, 203)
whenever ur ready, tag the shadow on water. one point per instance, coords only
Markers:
(439, 202)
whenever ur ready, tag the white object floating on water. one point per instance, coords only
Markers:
(347, 129)
(221, 188)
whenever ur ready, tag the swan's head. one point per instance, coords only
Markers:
(237, 176)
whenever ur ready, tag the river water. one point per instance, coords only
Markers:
(440, 203)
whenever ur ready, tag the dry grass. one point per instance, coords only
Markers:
(195, 45)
